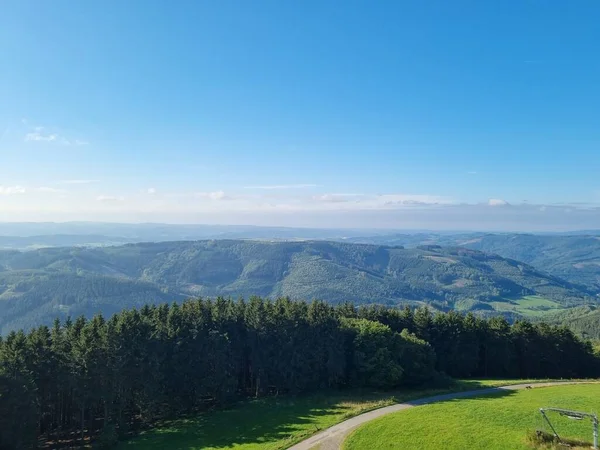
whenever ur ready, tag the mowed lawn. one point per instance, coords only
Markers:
(277, 423)
(492, 422)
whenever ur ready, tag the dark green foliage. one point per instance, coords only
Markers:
(372, 354)
(37, 286)
(18, 414)
(416, 357)
(106, 378)
(584, 321)
(381, 358)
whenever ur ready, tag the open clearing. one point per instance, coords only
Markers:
(278, 423)
(500, 421)
(529, 306)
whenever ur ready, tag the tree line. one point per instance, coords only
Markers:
(106, 378)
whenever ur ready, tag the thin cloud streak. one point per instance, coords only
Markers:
(217, 195)
(283, 186)
(109, 198)
(497, 202)
(77, 181)
(50, 190)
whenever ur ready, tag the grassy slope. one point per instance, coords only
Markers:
(277, 423)
(492, 422)
(529, 306)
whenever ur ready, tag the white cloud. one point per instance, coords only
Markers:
(283, 186)
(472, 172)
(39, 134)
(409, 199)
(337, 198)
(50, 190)
(77, 181)
(12, 190)
(373, 202)
(217, 195)
(497, 202)
(151, 191)
(109, 198)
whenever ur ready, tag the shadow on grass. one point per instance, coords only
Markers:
(478, 394)
(257, 422)
(277, 423)
(479, 390)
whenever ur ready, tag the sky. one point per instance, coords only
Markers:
(387, 114)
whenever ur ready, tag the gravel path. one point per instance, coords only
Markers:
(333, 437)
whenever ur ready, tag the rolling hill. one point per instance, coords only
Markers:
(573, 257)
(37, 286)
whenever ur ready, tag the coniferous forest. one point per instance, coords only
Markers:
(110, 377)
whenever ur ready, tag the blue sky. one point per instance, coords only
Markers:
(435, 114)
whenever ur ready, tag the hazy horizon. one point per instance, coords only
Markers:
(87, 227)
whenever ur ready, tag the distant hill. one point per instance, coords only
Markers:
(21, 236)
(36, 286)
(575, 258)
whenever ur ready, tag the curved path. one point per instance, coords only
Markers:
(333, 437)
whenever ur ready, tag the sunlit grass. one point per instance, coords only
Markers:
(277, 423)
(500, 421)
(530, 305)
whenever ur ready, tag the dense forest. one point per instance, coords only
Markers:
(37, 286)
(110, 377)
(583, 320)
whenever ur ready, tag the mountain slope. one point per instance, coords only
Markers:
(38, 285)
(575, 258)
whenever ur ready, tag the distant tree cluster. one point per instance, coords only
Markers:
(108, 377)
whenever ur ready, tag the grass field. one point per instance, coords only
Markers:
(277, 423)
(499, 421)
(530, 306)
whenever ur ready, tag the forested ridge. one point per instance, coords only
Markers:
(37, 286)
(574, 257)
(109, 377)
